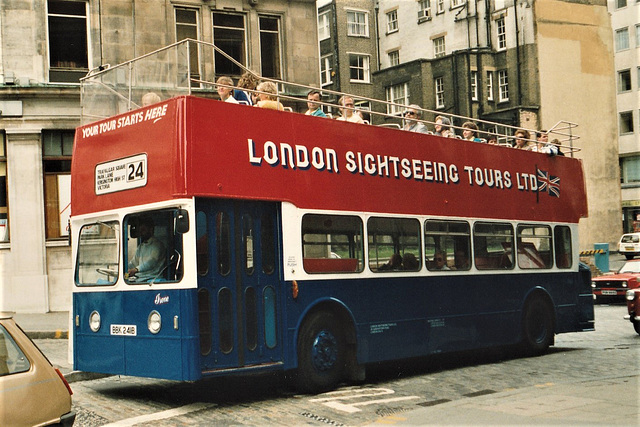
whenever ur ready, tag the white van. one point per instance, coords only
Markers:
(629, 245)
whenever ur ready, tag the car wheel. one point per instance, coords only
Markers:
(636, 326)
(537, 327)
(629, 256)
(322, 353)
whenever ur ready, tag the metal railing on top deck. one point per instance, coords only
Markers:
(168, 72)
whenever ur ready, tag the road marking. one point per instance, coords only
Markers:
(335, 400)
(169, 413)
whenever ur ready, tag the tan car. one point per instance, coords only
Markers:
(32, 391)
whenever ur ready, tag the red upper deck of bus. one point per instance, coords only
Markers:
(195, 147)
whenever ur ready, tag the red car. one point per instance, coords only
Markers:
(614, 286)
(633, 305)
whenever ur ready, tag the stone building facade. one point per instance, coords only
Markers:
(524, 63)
(45, 47)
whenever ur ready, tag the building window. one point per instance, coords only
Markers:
(394, 58)
(323, 25)
(270, 52)
(357, 23)
(438, 47)
(392, 21)
(489, 85)
(630, 170)
(503, 85)
(474, 85)
(424, 10)
(624, 80)
(4, 205)
(440, 6)
(56, 155)
(626, 122)
(637, 35)
(457, 3)
(187, 28)
(621, 3)
(397, 94)
(359, 68)
(622, 39)
(438, 84)
(68, 41)
(501, 31)
(229, 36)
(326, 70)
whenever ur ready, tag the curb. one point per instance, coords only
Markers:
(44, 335)
(76, 376)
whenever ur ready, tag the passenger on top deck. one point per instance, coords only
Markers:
(411, 117)
(443, 127)
(314, 109)
(521, 142)
(470, 132)
(247, 81)
(268, 96)
(225, 92)
(347, 110)
(543, 146)
(150, 98)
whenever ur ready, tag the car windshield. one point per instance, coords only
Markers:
(630, 267)
(630, 238)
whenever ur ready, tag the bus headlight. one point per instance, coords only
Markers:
(154, 322)
(94, 321)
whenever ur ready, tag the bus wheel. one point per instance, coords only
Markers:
(537, 327)
(321, 353)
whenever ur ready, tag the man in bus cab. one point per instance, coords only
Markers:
(149, 259)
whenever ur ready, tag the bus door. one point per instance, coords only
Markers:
(238, 284)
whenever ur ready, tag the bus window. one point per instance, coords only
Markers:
(223, 242)
(534, 246)
(267, 242)
(492, 243)
(97, 260)
(450, 240)
(332, 243)
(202, 243)
(394, 244)
(562, 245)
(153, 248)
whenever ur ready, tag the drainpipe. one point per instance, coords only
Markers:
(377, 10)
(518, 64)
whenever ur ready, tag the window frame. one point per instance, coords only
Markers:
(278, 63)
(68, 74)
(503, 85)
(626, 118)
(363, 68)
(324, 20)
(355, 28)
(397, 234)
(438, 85)
(55, 165)
(622, 39)
(490, 88)
(326, 69)
(444, 231)
(507, 248)
(624, 81)
(392, 96)
(392, 21)
(529, 256)
(439, 6)
(439, 47)
(5, 234)
(501, 33)
(194, 49)
(394, 57)
(473, 75)
(424, 10)
(231, 72)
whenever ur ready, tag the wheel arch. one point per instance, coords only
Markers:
(542, 294)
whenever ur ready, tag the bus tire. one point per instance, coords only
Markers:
(537, 327)
(322, 353)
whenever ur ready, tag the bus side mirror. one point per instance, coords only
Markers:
(182, 221)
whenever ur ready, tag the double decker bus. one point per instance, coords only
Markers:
(294, 243)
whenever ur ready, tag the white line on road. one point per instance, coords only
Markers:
(169, 413)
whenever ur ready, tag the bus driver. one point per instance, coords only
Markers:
(149, 259)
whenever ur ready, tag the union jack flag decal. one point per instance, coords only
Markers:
(548, 183)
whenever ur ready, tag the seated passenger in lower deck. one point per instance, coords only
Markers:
(394, 263)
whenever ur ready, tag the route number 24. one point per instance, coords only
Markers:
(136, 170)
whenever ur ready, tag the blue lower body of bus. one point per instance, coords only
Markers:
(380, 319)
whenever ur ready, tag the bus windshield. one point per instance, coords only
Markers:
(97, 261)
